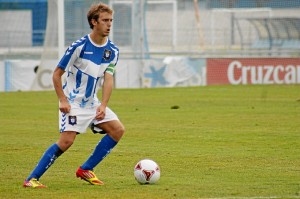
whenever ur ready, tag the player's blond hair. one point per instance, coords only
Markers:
(95, 11)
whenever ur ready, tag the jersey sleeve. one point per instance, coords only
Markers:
(112, 65)
(71, 54)
(68, 58)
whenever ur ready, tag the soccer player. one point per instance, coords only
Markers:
(85, 62)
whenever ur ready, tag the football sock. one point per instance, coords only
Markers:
(50, 155)
(102, 149)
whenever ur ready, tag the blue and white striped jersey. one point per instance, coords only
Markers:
(85, 63)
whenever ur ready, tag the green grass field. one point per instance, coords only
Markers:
(222, 142)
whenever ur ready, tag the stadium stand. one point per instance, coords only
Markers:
(39, 16)
(276, 32)
(252, 3)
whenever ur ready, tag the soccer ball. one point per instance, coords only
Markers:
(146, 171)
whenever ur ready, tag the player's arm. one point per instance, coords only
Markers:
(64, 105)
(106, 93)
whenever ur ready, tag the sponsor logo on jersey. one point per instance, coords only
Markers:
(107, 54)
(90, 53)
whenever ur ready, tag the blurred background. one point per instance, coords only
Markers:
(162, 42)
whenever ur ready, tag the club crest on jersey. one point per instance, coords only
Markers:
(72, 120)
(107, 54)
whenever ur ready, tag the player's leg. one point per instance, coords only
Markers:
(51, 154)
(114, 131)
(66, 140)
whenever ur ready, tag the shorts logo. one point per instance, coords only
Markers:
(72, 120)
(107, 54)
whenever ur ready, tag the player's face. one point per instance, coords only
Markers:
(103, 25)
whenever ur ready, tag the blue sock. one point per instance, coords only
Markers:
(102, 149)
(52, 153)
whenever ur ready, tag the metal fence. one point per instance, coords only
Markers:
(151, 28)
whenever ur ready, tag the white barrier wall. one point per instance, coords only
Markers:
(128, 74)
(2, 77)
(167, 72)
(174, 71)
(17, 75)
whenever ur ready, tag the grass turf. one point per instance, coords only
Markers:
(210, 142)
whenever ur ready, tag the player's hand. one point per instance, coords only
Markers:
(100, 113)
(64, 106)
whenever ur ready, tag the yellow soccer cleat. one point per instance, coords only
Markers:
(34, 183)
(88, 176)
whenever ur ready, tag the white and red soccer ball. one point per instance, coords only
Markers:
(146, 171)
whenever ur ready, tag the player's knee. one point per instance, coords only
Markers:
(117, 133)
(121, 131)
(65, 144)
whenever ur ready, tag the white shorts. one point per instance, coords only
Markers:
(79, 119)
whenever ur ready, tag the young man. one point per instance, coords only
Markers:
(86, 61)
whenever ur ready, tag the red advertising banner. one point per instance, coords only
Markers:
(253, 71)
